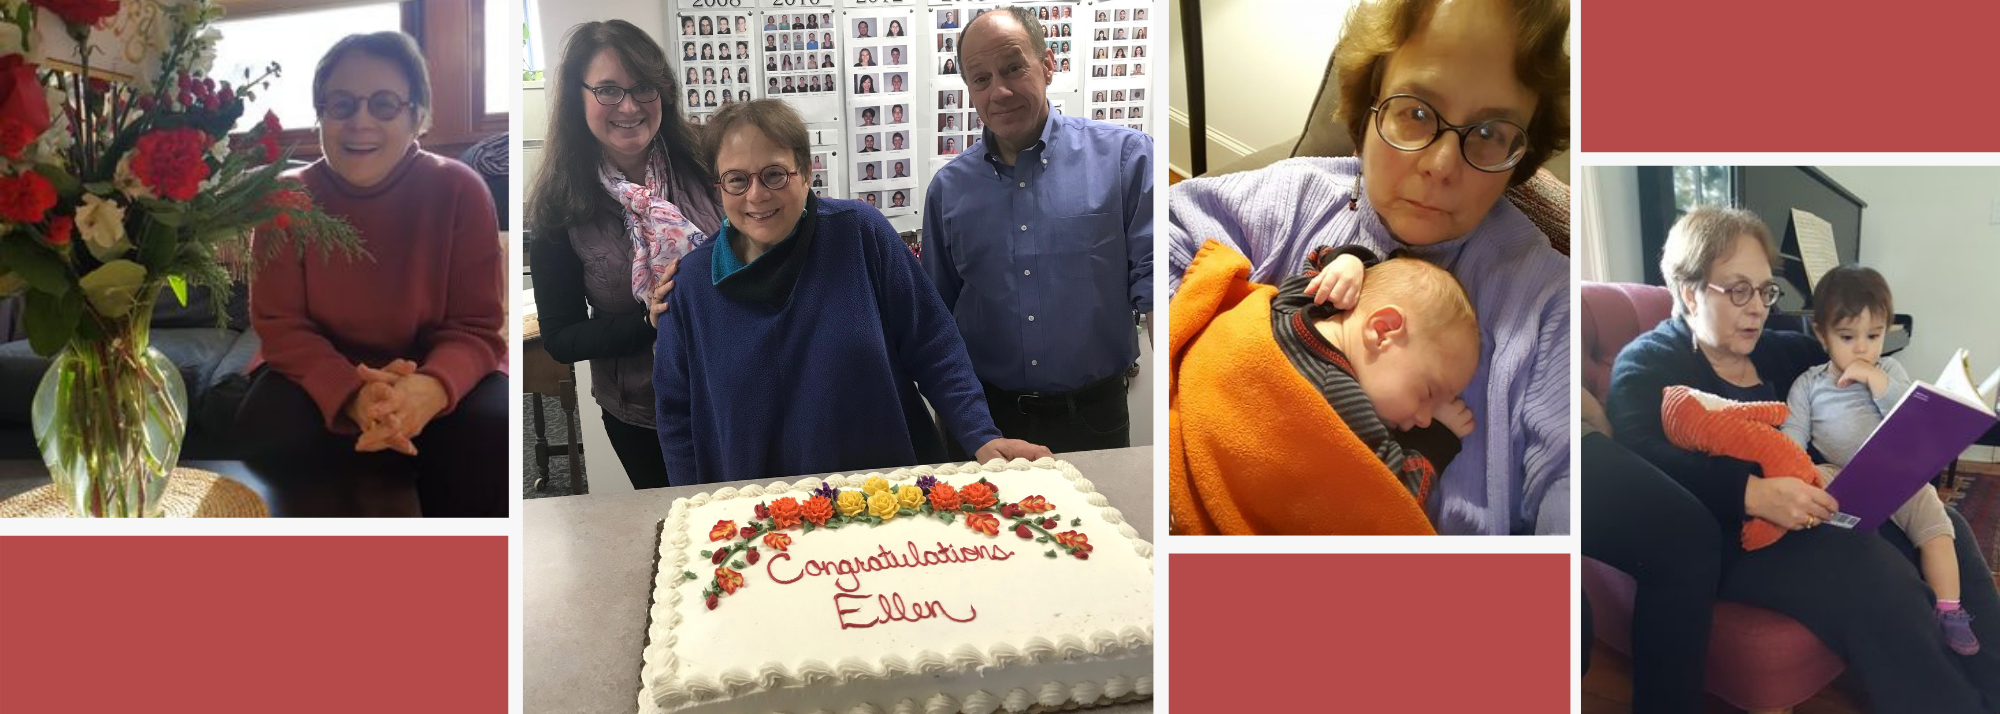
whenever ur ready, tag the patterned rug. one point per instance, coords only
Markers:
(1978, 499)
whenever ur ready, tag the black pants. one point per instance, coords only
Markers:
(639, 452)
(1096, 419)
(1640, 521)
(461, 462)
(1863, 595)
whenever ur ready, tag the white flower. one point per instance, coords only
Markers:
(128, 183)
(102, 223)
(204, 57)
(220, 150)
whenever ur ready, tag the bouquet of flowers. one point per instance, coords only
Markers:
(110, 193)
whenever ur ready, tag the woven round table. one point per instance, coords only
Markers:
(191, 493)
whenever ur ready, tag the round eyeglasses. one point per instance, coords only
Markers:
(612, 94)
(1739, 294)
(773, 177)
(1409, 123)
(383, 105)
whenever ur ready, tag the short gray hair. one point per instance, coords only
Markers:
(1025, 16)
(1702, 237)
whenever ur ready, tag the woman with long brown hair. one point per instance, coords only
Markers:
(621, 195)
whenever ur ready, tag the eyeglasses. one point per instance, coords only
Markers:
(612, 94)
(1739, 294)
(1412, 124)
(774, 177)
(383, 105)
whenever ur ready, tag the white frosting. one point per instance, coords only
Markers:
(1046, 630)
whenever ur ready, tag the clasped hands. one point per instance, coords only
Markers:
(393, 406)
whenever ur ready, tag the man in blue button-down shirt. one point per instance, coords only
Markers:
(1040, 239)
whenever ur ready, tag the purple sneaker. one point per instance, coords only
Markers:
(1957, 626)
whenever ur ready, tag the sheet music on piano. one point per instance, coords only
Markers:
(1816, 248)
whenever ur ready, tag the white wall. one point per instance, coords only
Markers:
(1264, 62)
(1931, 233)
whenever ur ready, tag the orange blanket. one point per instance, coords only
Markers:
(1698, 421)
(1253, 448)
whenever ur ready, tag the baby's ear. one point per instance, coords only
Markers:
(1385, 324)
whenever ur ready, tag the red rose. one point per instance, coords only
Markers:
(817, 510)
(785, 512)
(944, 497)
(60, 229)
(978, 494)
(24, 113)
(172, 162)
(79, 12)
(748, 532)
(763, 512)
(711, 602)
(1022, 531)
(26, 197)
(751, 557)
(1009, 511)
(720, 555)
(1048, 523)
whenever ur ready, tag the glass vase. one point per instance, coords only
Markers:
(109, 417)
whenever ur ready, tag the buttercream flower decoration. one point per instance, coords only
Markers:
(785, 512)
(1033, 504)
(817, 510)
(944, 497)
(910, 496)
(1077, 543)
(723, 530)
(826, 491)
(852, 503)
(873, 485)
(747, 532)
(983, 522)
(978, 494)
(103, 224)
(884, 505)
(926, 482)
(777, 541)
(728, 579)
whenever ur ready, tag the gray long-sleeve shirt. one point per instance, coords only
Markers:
(1838, 420)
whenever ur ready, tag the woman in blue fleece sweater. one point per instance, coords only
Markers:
(799, 339)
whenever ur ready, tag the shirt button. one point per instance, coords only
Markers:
(1031, 318)
(1024, 272)
(1024, 228)
(1033, 363)
(1024, 184)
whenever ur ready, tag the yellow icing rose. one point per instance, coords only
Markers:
(873, 485)
(910, 496)
(852, 503)
(883, 505)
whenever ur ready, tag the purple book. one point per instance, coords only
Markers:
(1917, 439)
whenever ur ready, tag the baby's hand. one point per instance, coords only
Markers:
(1456, 417)
(1865, 373)
(1339, 281)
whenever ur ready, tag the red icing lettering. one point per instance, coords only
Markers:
(771, 569)
(893, 609)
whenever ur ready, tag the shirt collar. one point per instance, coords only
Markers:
(1049, 133)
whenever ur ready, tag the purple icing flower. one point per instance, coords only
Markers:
(827, 490)
(926, 482)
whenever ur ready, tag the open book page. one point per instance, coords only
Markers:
(1957, 377)
(1989, 390)
(1816, 247)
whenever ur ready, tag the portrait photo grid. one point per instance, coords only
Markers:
(951, 117)
(1115, 91)
(717, 64)
(801, 52)
(880, 59)
(825, 176)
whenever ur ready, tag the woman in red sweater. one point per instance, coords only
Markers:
(389, 362)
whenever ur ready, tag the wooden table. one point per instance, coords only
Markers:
(289, 491)
(589, 569)
(542, 374)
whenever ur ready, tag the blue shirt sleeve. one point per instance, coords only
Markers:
(937, 261)
(1138, 163)
(1269, 215)
(1545, 424)
(673, 411)
(923, 337)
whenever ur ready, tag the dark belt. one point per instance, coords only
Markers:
(1106, 388)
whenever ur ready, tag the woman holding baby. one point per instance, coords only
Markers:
(1861, 593)
(1449, 106)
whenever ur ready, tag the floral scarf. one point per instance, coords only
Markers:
(658, 231)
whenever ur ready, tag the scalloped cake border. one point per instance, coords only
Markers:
(663, 617)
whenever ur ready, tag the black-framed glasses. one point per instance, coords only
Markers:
(774, 177)
(383, 105)
(1739, 294)
(611, 94)
(1409, 123)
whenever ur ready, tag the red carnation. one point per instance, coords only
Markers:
(79, 12)
(944, 497)
(60, 229)
(24, 113)
(172, 162)
(818, 510)
(978, 494)
(785, 512)
(26, 197)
